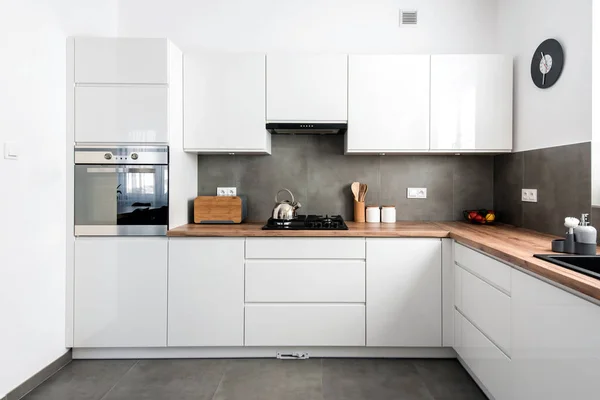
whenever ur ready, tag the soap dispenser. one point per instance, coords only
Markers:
(584, 233)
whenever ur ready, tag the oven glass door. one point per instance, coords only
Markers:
(121, 200)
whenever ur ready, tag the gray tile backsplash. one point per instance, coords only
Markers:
(316, 170)
(562, 176)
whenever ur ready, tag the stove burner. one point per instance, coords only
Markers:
(308, 222)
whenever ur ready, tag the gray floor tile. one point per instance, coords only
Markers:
(82, 380)
(372, 380)
(447, 379)
(170, 379)
(272, 380)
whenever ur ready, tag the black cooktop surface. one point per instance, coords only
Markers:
(308, 222)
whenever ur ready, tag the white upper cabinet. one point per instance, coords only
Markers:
(224, 103)
(404, 292)
(388, 103)
(471, 103)
(121, 114)
(121, 60)
(307, 87)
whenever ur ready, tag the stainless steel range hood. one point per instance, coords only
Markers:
(307, 128)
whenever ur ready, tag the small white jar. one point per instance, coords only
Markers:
(388, 214)
(373, 214)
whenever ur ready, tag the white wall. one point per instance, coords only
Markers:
(562, 114)
(32, 199)
(446, 26)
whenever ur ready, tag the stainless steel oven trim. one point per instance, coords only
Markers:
(122, 155)
(120, 230)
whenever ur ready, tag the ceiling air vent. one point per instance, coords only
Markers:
(408, 17)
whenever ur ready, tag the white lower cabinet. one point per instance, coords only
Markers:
(404, 292)
(305, 325)
(206, 292)
(120, 292)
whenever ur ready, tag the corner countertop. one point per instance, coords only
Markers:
(508, 243)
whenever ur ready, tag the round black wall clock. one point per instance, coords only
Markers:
(547, 63)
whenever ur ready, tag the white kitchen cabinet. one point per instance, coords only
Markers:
(121, 114)
(388, 103)
(120, 295)
(307, 87)
(305, 325)
(121, 60)
(404, 293)
(556, 342)
(206, 292)
(471, 103)
(224, 103)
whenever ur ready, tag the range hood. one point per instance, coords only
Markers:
(307, 128)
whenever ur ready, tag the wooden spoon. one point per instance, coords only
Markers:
(355, 190)
(363, 192)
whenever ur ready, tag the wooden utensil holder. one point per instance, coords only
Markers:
(359, 211)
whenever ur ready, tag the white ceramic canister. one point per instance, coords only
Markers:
(373, 214)
(388, 214)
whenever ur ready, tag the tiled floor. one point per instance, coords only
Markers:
(260, 379)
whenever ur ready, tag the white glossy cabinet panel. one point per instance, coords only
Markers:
(307, 87)
(494, 272)
(121, 114)
(471, 102)
(486, 307)
(404, 293)
(556, 342)
(224, 103)
(305, 281)
(305, 325)
(301, 248)
(388, 103)
(486, 361)
(206, 292)
(120, 295)
(121, 60)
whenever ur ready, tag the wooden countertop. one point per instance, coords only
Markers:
(514, 245)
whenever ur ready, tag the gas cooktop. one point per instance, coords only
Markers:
(308, 222)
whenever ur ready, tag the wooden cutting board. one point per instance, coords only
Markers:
(218, 209)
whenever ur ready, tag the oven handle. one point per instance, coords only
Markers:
(109, 170)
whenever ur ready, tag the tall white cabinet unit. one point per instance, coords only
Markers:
(224, 102)
(471, 103)
(307, 87)
(388, 103)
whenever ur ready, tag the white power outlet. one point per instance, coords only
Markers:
(529, 195)
(226, 191)
(416, 193)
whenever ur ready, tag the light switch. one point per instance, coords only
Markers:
(11, 151)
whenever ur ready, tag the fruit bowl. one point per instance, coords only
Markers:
(481, 217)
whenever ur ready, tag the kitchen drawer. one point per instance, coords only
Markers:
(487, 362)
(121, 60)
(488, 269)
(121, 114)
(305, 325)
(311, 248)
(305, 281)
(485, 306)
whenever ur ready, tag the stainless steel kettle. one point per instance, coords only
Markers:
(285, 209)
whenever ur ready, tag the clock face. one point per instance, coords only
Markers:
(547, 64)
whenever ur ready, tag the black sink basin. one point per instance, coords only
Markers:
(588, 265)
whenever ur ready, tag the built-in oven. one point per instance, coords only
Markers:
(121, 190)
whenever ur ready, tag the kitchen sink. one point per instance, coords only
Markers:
(587, 265)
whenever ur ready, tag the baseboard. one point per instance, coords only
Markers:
(262, 352)
(37, 379)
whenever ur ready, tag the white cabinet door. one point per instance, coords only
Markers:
(121, 114)
(388, 103)
(307, 87)
(206, 292)
(556, 342)
(404, 292)
(471, 102)
(120, 296)
(121, 60)
(224, 103)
